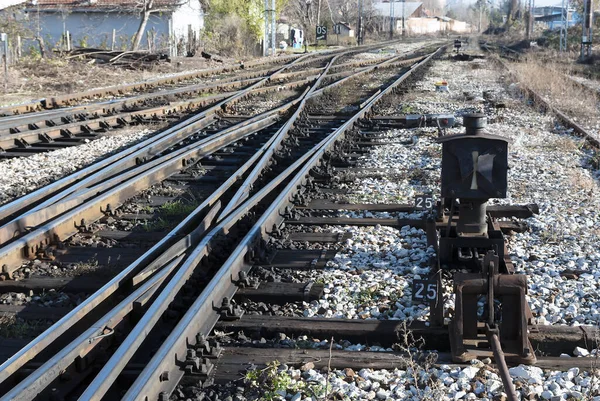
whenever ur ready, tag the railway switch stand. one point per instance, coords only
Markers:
(474, 170)
(457, 45)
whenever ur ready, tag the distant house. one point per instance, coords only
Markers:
(291, 34)
(434, 25)
(551, 16)
(343, 29)
(91, 23)
(401, 11)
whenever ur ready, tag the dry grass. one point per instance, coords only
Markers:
(564, 143)
(549, 81)
(35, 78)
(582, 181)
(14, 327)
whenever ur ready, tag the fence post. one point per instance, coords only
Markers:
(112, 45)
(4, 39)
(18, 46)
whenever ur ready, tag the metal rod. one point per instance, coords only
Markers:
(502, 367)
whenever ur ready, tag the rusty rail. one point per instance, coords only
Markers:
(68, 99)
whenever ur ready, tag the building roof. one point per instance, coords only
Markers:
(383, 9)
(347, 25)
(9, 3)
(100, 4)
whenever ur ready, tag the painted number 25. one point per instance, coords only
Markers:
(424, 290)
(423, 202)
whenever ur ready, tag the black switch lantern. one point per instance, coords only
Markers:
(474, 169)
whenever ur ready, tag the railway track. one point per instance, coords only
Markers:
(72, 205)
(259, 189)
(24, 134)
(590, 136)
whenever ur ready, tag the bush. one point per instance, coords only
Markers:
(229, 36)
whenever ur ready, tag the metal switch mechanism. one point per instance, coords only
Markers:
(474, 169)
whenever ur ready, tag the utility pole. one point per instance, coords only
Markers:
(274, 27)
(564, 25)
(4, 40)
(360, 38)
(266, 39)
(403, 17)
(392, 19)
(269, 47)
(586, 31)
(480, 12)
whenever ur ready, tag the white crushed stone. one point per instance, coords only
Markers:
(22, 175)
(371, 277)
(445, 383)
(548, 166)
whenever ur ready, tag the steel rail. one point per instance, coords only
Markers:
(109, 105)
(60, 327)
(394, 60)
(66, 224)
(10, 229)
(227, 185)
(21, 123)
(51, 129)
(244, 191)
(201, 316)
(56, 118)
(126, 158)
(119, 359)
(35, 196)
(62, 100)
(110, 371)
(55, 101)
(32, 385)
(67, 99)
(144, 266)
(86, 190)
(47, 135)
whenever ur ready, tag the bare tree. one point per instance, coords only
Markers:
(145, 9)
(308, 16)
(510, 15)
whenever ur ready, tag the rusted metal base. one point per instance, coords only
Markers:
(451, 246)
(505, 303)
(479, 348)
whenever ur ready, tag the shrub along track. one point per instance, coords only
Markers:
(259, 149)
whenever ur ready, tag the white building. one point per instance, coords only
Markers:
(91, 23)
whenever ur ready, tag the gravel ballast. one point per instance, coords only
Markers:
(22, 175)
